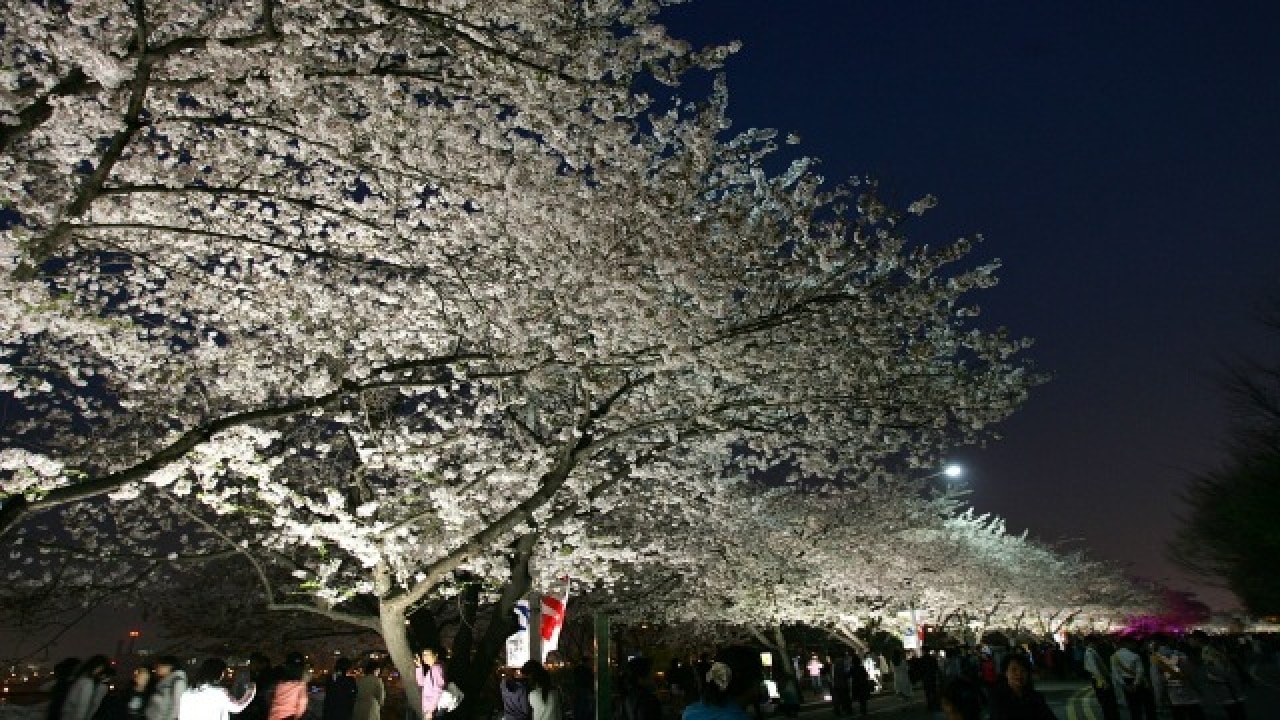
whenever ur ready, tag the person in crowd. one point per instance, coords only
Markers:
(1160, 693)
(428, 670)
(263, 675)
(639, 701)
(1146, 683)
(814, 669)
(731, 684)
(1098, 667)
(1073, 658)
(1224, 681)
(1181, 677)
(207, 699)
(339, 692)
(901, 675)
(860, 685)
(680, 683)
(514, 691)
(168, 684)
(371, 693)
(961, 699)
(115, 698)
(544, 700)
(1129, 669)
(584, 689)
(987, 669)
(289, 698)
(64, 673)
(139, 691)
(87, 690)
(1015, 696)
(928, 672)
(789, 696)
(841, 676)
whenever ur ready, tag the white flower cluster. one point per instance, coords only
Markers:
(371, 291)
(28, 473)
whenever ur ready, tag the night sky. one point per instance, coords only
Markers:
(1121, 159)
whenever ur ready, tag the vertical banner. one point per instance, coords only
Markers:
(553, 611)
(518, 642)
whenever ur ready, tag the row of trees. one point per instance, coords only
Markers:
(846, 560)
(365, 305)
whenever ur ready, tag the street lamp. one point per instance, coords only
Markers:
(950, 471)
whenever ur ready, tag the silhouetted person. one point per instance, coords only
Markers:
(64, 673)
(339, 693)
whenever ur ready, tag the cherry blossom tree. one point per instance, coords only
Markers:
(768, 558)
(377, 294)
(846, 559)
(991, 579)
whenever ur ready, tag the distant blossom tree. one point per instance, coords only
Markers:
(760, 560)
(380, 294)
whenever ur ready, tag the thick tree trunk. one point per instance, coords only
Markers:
(485, 651)
(392, 618)
(466, 671)
(472, 657)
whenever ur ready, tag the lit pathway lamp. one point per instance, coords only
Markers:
(951, 471)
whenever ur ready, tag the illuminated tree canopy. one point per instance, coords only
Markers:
(367, 292)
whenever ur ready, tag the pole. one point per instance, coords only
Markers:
(604, 676)
(535, 626)
(915, 628)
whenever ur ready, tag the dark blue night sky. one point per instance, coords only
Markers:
(1121, 158)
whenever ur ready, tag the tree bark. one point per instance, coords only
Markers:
(391, 617)
(501, 624)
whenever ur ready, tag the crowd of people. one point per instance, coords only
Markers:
(162, 690)
(1179, 675)
(1182, 676)
(1185, 674)
(1187, 677)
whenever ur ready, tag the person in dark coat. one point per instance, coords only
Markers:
(515, 696)
(841, 697)
(64, 673)
(339, 692)
(860, 685)
(1014, 697)
(961, 699)
(639, 701)
(263, 676)
(927, 673)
